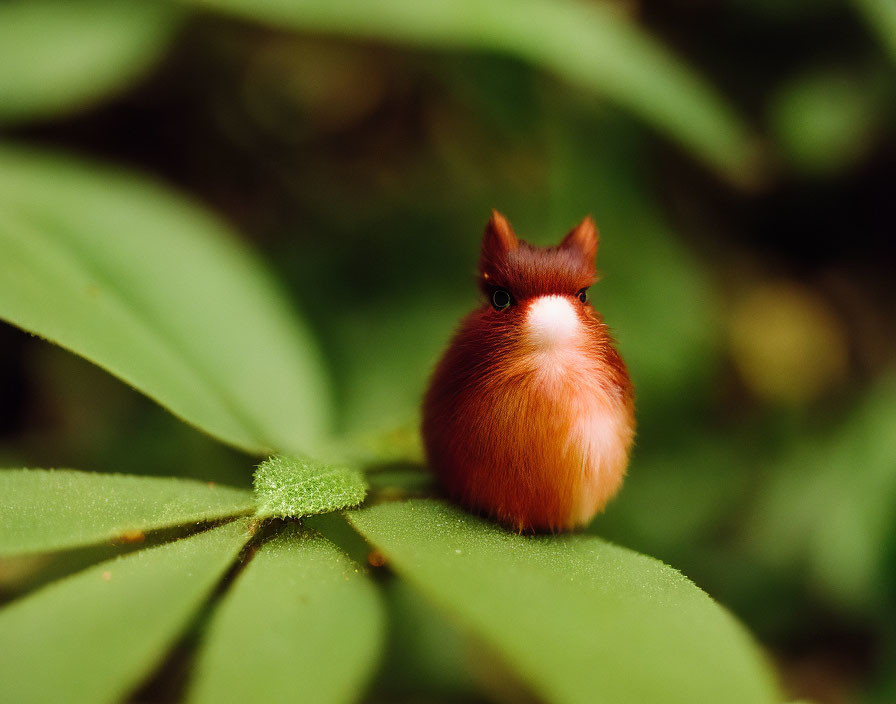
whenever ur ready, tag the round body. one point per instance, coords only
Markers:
(529, 415)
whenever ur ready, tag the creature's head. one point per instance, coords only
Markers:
(544, 290)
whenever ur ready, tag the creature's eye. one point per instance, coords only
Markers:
(583, 295)
(501, 299)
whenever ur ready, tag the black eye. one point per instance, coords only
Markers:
(583, 295)
(501, 299)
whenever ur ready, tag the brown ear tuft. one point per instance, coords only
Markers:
(498, 240)
(584, 237)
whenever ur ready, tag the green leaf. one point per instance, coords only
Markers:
(826, 121)
(428, 658)
(91, 638)
(43, 510)
(589, 44)
(829, 504)
(57, 56)
(880, 16)
(578, 618)
(302, 621)
(159, 293)
(297, 486)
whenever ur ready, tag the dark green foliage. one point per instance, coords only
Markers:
(307, 620)
(58, 56)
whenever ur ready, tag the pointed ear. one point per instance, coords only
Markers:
(584, 237)
(498, 240)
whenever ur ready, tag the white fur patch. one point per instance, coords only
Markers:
(603, 436)
(600, 432)
(551, 322)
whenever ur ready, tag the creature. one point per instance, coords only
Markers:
(529, 416)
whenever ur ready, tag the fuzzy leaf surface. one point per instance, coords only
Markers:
(292, 487)
(91, 638)
(43, 510)
(302, 620)
(577, 618)
(161, 294)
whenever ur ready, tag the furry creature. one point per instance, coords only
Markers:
(529, 416)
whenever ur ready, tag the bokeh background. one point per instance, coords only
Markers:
(742, 170)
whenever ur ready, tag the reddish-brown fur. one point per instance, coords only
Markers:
(537, 438)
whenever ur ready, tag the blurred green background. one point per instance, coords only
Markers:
(742, 169)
